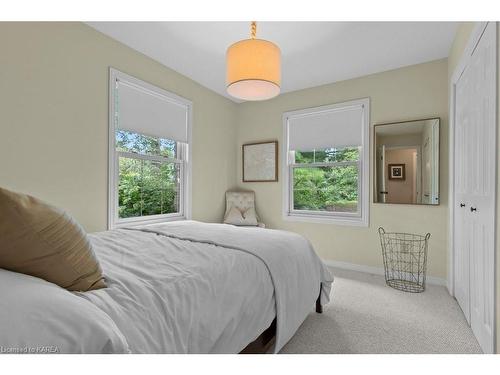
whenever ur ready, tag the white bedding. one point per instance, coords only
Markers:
(295, 269)
(173, 296)
(182, 287)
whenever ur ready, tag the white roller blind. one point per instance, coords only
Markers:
(143, 111)
(338, 127)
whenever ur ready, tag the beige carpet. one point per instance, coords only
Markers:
(366, 316)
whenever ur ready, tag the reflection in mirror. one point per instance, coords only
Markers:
(407, 162)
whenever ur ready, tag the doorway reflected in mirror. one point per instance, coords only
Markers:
(407, 162)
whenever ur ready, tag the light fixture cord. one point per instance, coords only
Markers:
(253, 33)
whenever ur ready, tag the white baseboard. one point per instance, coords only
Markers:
(377, 271)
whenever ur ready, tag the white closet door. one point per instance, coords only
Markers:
(482, 194)
(475, 171)
(462, 167)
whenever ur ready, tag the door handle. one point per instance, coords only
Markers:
(472, 209)
(384, 192)
(462, 204)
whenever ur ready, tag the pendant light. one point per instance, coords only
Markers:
(253, 68)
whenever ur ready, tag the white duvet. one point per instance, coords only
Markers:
(184, 287)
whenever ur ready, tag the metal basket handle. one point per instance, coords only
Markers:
(382, 231)
(427, 236)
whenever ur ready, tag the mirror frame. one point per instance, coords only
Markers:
(374, 163)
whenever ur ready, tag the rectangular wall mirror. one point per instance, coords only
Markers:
(407, 162)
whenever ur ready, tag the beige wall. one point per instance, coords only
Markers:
(414, 92)
(54, 119)
(461, 38)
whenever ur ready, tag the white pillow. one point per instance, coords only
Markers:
(40, 317)
(235, 216)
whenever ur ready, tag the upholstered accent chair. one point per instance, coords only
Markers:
(240, 209)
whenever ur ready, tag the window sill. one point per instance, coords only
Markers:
(157, 219)
(322, 219)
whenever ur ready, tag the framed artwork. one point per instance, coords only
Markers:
(260, 162)
(397, 172)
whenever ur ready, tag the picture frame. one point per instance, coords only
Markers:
(397, 172)
(260, 161)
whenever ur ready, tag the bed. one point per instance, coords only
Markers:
(179, 287)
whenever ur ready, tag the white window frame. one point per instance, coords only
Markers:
(183, 158)
(288, 164)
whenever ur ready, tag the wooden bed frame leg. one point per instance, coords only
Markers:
(319, 308)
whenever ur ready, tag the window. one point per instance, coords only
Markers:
(148, 156)
(326, 169)
(148, 175)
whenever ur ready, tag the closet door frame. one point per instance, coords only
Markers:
(463, 63)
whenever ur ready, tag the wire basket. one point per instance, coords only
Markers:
(405, 260)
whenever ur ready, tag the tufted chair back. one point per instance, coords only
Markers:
(243, 200)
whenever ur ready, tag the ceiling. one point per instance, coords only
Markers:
(413, 128)
(313, 53)
(403, 128)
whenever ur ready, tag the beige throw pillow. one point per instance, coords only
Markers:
(40, 240)
(235, 216)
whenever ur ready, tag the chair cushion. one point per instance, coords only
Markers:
(235, 216)
(243, 200)
(40, 240)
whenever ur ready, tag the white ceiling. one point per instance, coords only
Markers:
(313, 53)
(404, 128)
